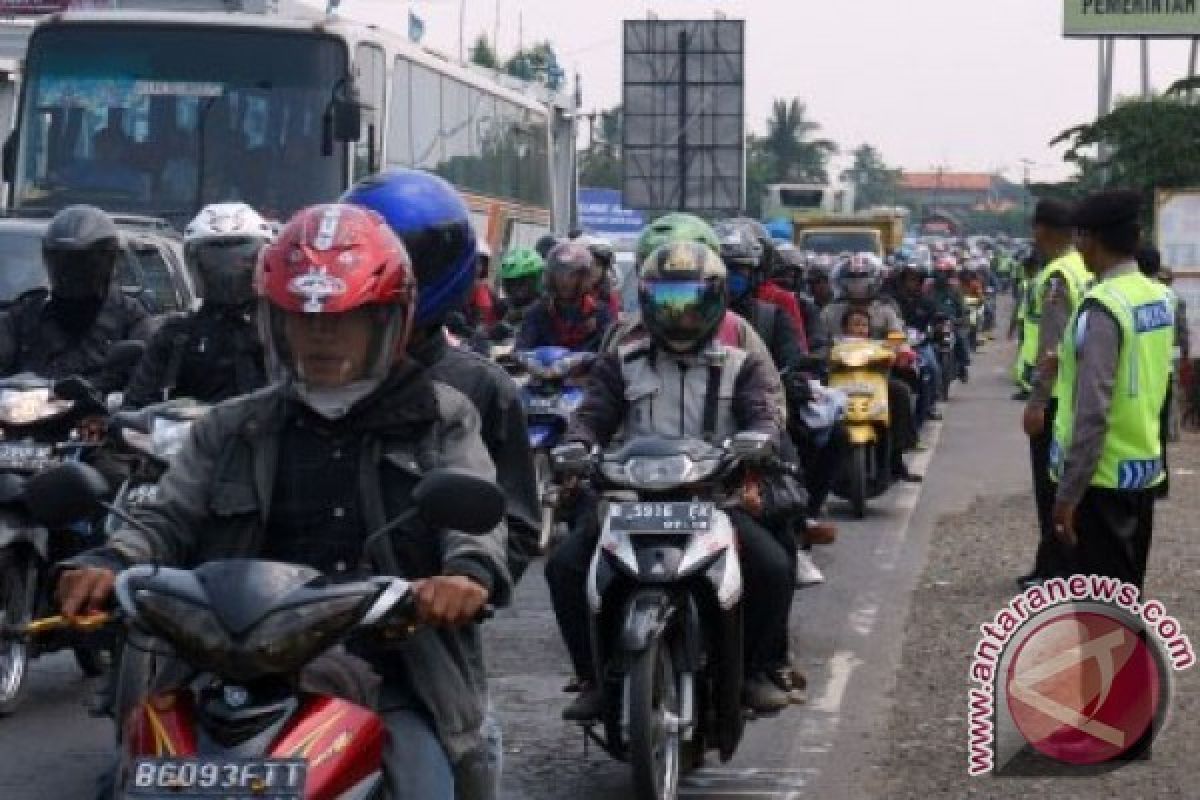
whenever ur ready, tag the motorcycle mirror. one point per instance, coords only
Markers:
(750, 444)
(457, 500)
(64, 494)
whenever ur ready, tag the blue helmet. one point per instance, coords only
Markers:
(431, 218)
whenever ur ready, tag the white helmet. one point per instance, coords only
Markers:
(221, 246)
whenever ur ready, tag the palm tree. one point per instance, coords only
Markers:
(795, 156)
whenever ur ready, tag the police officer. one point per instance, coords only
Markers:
(1052, 297)
(70, 330)
(1113, 369)
(214, 353)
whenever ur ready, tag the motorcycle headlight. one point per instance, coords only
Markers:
(288, 639)
(26, 406)
(191, 629)
(665, 473)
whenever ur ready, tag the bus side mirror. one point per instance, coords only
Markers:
(10, 157)
(347, 120)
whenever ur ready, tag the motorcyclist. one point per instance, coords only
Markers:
(214, 353)
(70, 329)
(759, 273)
(919, 313)
(606, 263)
(521, 274)
(948, 298)
(790, 273)
(858, 280)
(683, 301)
(571, 314)
(482, 309)
(285, 473)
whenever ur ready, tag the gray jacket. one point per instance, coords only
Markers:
(214, 500)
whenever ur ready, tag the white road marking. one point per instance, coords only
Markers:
(765, 784)
(841, 667)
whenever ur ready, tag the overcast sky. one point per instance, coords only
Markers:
(965, 84)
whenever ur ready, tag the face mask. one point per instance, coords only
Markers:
(739, 285)
(75, 315)
(334, 404)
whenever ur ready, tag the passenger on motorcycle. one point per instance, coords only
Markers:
(570, 314)
(858, 280)
(282, 474)
(919, 313)
(214, 353)
(70, 329)
(948, 299)
(857, 323)
(662, 383)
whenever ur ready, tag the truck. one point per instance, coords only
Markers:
(879, 233)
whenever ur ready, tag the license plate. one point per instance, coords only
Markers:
(20, 455)
(542, 403)
(660, 517)
(260, 779)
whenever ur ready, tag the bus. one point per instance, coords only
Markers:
(160, 112)
(785, 200)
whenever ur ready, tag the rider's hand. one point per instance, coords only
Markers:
(84, 590)
(1033, 421)
(449, 600)
(1064, 523)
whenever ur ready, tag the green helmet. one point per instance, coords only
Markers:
(683, 295)
(521, 262)
(676, 228)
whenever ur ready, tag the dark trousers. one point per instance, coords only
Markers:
(1114, 529)
(768, 567)
(821, 464)
(1051, 560)
(904, 425)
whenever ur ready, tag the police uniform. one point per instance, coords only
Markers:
(1114, 367)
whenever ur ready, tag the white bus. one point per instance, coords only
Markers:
(785, 199)
(161, 112)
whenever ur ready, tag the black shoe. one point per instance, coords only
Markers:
(901, 473)
(934, 414)
(586, 706)
(962, 374)
(760, 694)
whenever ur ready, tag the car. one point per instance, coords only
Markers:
(151, 266)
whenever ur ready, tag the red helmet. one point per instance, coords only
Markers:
(336, 260)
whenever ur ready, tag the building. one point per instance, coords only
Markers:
(960, 191)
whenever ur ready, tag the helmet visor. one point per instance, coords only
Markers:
(80, 274)
(684, 314)
(330, 351)
(225, 267)
(523, 291)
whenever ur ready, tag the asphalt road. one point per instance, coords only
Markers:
(847, 634)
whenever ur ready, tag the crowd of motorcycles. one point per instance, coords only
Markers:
(665, 600)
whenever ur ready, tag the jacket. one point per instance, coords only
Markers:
(214, 500)
(31, 340)
(543, 327)
(884, 318)
(209, 356)
(628, 387)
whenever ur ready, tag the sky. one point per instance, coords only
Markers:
(972, 85)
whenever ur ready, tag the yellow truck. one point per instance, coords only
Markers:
(831, 234)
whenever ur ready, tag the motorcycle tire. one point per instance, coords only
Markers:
(856, 480)
(949, 371)
(16, 608)
(655, 753)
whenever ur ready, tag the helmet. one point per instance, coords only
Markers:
(80, 249)
(742, 255)
(221, 246)
(432, 220)
(336, 274)
(858, 278)
(676, 228)
(781, 230)
(571, 274)
(521, 276)
(682, 295)
(545, 244)
(602, 250)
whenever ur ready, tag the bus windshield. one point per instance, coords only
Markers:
(163, 120)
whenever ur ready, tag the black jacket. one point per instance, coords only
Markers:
(505, 436)
(209, 356)
(31, 339)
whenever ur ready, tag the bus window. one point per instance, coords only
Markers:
(456, 131)
(371, 82)
(399, 133)
(425, 118)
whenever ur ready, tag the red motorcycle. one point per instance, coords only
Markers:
(242, 727)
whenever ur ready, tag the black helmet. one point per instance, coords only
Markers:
(682, 295)
(80, 249)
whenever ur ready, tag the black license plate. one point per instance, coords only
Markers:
(25, 456)
(660, 517)
(244, 779)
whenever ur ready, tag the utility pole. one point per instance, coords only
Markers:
(462, 14)
(1145, 45)
(1026, 164)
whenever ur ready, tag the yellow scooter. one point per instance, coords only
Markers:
(860, 368)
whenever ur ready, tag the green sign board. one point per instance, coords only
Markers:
(1179, 18)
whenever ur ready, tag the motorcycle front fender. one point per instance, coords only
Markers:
(646, 617)
(14, 531)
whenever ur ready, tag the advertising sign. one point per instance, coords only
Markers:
(1170, 18)
(601, 212)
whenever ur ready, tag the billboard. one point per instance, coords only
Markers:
(601, 211)
(684, 131)
(1172, 18)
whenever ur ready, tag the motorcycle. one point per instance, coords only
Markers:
(549, 401)
(665, 591)
(974, 321)
(860, 368)
(242, 726)
(944, 334)
(43, 423)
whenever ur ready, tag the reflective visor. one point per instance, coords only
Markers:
(679, 298)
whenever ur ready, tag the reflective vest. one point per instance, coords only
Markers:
(1071, 267)
(1132, 455)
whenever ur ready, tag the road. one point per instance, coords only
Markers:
(847, 634)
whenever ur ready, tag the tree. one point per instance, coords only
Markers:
(538, 62)
(796, 157)
(1141, 144)
(483, 54)
(600, 164)
(875, 182)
